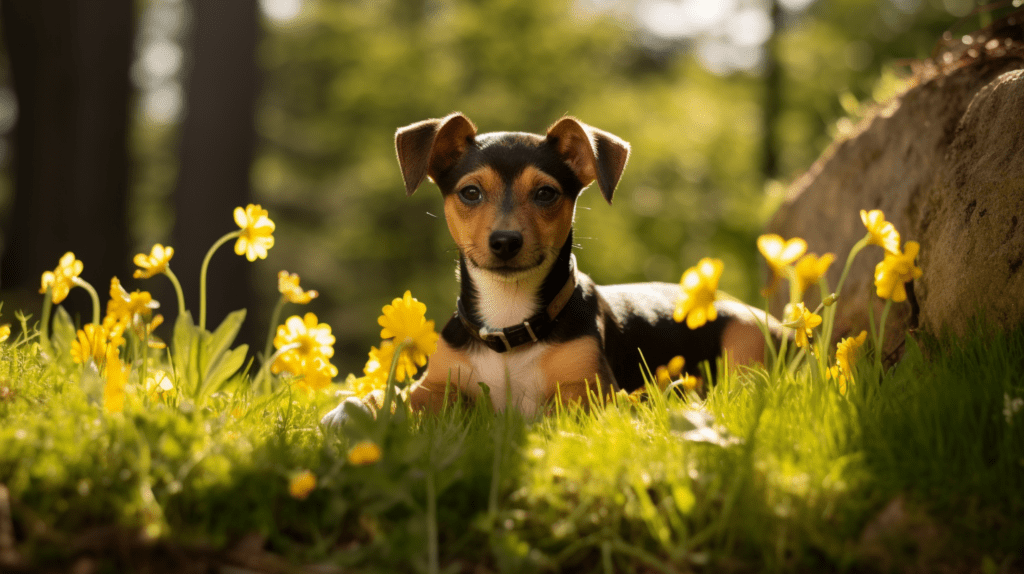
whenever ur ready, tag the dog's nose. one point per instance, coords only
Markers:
(505, 244)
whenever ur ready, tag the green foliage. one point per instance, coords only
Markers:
(765, 473)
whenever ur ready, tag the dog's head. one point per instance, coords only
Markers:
(509, 197)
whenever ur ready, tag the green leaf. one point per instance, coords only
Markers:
(221, 340)
(223, 368)
(64, 331)
(185, 353)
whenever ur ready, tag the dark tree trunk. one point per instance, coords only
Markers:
(69, 64)
(217, 146)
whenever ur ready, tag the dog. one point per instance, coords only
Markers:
(529, 325)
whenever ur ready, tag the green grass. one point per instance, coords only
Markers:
(918, 469)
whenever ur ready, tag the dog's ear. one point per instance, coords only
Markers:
(431, 147)
(592, 154)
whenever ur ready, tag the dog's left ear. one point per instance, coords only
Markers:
(592, 154)
(432, 147)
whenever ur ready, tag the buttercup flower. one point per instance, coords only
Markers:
(802, 321)
(836, 373)
(302, 484)
(779, 254)
(317, 374)
(404, 321)
(699, 287)
(314, 341)
(364, 453)
(288, 285)
(159, 386)
(366, 384)
(894, 271)
(379, 362)
(154, 263)
(257, 232)
(62, 278)
(882, 232)
(669, 372)
(123, 307)
(810, 269)
(5, 332)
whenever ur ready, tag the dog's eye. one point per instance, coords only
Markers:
(470, 194)
(545, 195)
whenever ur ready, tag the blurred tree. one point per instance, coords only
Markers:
(69, 64)
(216, 150)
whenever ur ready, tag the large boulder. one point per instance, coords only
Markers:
(945, 162)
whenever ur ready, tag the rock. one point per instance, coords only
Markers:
(945, 162)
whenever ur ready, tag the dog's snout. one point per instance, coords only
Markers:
(506, 244)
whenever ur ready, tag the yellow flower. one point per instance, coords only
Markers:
(379, 363)
(802, 321)
(836, 373)
(5, 332)
(364, 453)
(315, 341)
(366, 384)
(159, 386)
(123, 306)
(288, 285)
(404, 321)
(257, 232)
(302, 484)
(882, 232)
(810, 269)
(846, 349)
(154, 263)
(699, 287)
(665, 374)
(779, 254)
(894, 271)
(92, 341)
(62, 278)
(117, 379)
(691, 382)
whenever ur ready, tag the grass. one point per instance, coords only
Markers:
(919, 468)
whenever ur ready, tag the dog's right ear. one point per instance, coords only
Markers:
(432, 147)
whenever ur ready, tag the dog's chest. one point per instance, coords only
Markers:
(514, 378)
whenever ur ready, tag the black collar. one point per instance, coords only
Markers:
(533, 329)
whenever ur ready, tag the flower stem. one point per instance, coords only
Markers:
(44, 331)
(274, 318)
(202, 275)
(880, 337)
(265, 367)
(79, 282)
(177, 289)
(389, 393)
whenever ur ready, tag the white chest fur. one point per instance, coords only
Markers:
(514, 378)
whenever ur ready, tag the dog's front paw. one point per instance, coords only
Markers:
(338, 417)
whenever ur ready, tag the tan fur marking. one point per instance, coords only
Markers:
(573, 367)
(470, 225)
(547, 226)
(447, 368)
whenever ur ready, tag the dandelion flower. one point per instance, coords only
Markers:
(696, 303)
(153, 264)
(882, 232)
(404, 321)
(288, 285)
(257, 232)
(892, 273)
(92, 342)
(846, 349)
(810, 269)
(302, 484)
(61, 279)
(364, 453)
(802, 321)
(116, 375)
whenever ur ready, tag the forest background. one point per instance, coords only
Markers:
(149, 121)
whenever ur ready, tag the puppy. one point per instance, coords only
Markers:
(529, 325)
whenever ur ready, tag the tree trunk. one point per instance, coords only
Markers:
(217, 146)
(69, 63)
